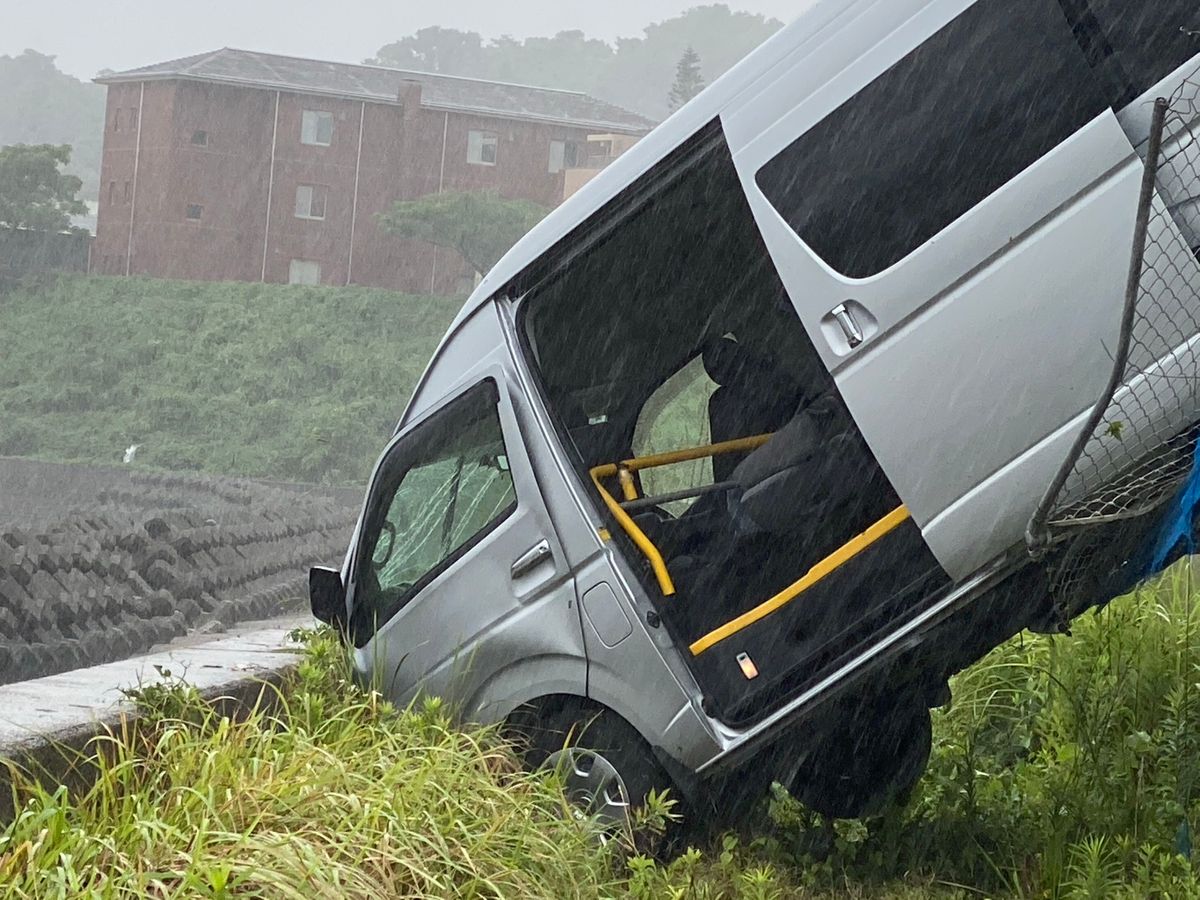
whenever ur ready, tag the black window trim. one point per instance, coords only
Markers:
(363, 632)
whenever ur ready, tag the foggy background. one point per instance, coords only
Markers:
(624, 52)
(126, 33)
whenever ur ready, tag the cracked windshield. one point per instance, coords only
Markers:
(650, 449)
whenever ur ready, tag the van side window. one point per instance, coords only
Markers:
(674, 418)
(976, 104)
(1135, 45)
(440, 490)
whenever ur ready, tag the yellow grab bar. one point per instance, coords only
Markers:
(678, 456)
(623, 469)
(628, 488)
(639, 537)
(819, 572)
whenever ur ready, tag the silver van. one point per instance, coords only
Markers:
(838, 379)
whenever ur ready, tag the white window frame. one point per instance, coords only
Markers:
(558, 156)
(306, 194)
(304, 271)
(477, 141)
(310, 127)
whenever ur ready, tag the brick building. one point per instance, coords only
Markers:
(235, 165)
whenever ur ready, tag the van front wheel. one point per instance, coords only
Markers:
(607, 768)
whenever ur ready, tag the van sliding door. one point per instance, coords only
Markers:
(949, 200)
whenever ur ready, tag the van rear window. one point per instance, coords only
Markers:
(976, 104)
(1135, 44)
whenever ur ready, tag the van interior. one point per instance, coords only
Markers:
(693, 400)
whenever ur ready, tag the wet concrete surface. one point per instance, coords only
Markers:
(46, 722)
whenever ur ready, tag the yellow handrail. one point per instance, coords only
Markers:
(677, 456)
(622, 470)
(820, 571)
(816, 574)
(639, 537)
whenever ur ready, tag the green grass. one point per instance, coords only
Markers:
(1065, 767)
(280, 381)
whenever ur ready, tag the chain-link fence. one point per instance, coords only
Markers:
(1138, 445)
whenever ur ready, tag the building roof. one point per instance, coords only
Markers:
(379, 84)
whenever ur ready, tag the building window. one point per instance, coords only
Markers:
(481, 148)
(116, 119)
(133, 122)
(304, 271)
(200, 138)
(563, 155)
(112, 193)
(310, 201)
(194, 212)
(128, 192)
(316, 128)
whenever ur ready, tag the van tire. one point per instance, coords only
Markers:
(853, 774)
(543, 733)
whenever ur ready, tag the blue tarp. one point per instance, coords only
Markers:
(1176, 536)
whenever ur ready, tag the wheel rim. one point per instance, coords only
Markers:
(593, 785)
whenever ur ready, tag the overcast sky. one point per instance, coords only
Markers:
(88, 36)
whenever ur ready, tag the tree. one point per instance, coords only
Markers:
(33, 192)
(435, 49)
(568, 60)
(480, 227)
(688, 80)
(45, 106)
(640, 77)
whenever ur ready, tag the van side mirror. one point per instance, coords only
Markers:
(327, 596)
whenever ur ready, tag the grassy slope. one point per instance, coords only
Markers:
(300, 383)
(1065, 767)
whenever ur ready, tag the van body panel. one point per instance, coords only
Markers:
(986, 340)
(577, 521)
(636, 678)
(984, 349)
(521, 681)
(473, 343)
(604, 615)
(453, 637)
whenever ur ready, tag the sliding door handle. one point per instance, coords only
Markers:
(849, 324)
(531, 559)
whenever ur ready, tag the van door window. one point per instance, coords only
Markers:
(676, 416)
(441, 489)
(1134, 45)
(976, 104)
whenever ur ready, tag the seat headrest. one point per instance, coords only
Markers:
(723, 360)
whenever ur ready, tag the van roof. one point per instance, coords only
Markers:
(653, 147)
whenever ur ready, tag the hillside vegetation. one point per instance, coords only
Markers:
(1064, 768)
(277, 381)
